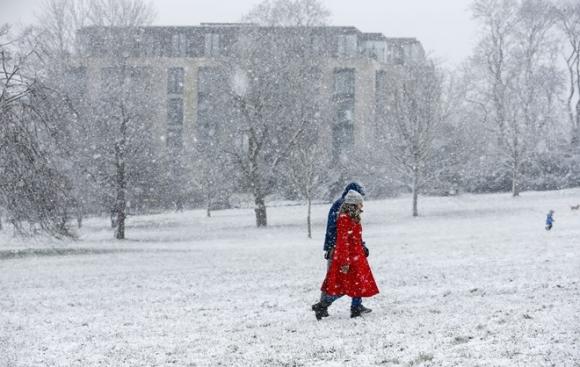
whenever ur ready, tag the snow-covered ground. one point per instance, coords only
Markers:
(475, 281)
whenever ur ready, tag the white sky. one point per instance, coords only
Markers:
(444, 27)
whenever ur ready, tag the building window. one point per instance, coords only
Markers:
(345, 112)
(174, 138)
(209, 80)
(381, 81)
(126, 80)
(343, 141)
(380, 88)
(344, 102)
(212, 44)
(174, 123)
(175, 80)
(175, 83)
(375, 50)
(203, 110)
(179, 45)
(347, 45)
(381, 99)
(316, 44)
(344, 82)
(396, 54)
(151, 46)
(175, 111)
(206, 79)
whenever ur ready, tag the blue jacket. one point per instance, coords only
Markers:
(549, 219)
(330, 239)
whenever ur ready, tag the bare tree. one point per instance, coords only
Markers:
(266, 132)
(499, 18)
(308, 171)
(121, 132)
(121, 13)
(58, 22)
(32, 187)
(270, 90)
(519, 82)
(112, 126)
(304, 13)
(568, 21)
(211, 173)
(413, 120)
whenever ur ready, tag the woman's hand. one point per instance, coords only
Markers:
(344, 269)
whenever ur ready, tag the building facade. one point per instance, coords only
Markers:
(181, 61)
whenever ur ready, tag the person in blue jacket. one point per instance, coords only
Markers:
(550, 220)
(330, 239)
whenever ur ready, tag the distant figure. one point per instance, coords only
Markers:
(550, 220)
(349, 272)
(575, 207)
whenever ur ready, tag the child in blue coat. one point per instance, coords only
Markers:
(550, 220)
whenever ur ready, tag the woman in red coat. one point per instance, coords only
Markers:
(349, 272)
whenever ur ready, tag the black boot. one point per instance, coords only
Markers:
(360, 310)
(320, 310)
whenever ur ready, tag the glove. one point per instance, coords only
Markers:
(344, 269)
(366, 251)
(328, 253)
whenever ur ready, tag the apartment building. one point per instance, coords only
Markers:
(178, 63)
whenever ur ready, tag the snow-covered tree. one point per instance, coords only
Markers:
(271, 94)
(568, 22)
(308, 171)
(413, 119)
(33, 188)
(289, 13)
(110, 129)
(518, 81)
(121, 133)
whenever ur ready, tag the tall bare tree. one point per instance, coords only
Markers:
(307, 171)
(33, 188)
(109, 123)
(519, 81)
(272, 93)
(568, 21)
(413, 119)
(301, 13)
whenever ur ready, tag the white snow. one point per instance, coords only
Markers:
(475, 281)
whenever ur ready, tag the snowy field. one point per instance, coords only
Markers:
(475, 281)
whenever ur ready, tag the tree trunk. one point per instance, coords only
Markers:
(121, 202)
(308, 218)
(259, 196)
(79, 217)
(515, 180)
(63, 221)
(578, 87)
(578, 113)
(260, 209)
(415, 192)
(208, 205)
(575, 137)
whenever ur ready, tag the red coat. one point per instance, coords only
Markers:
(359, 280)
